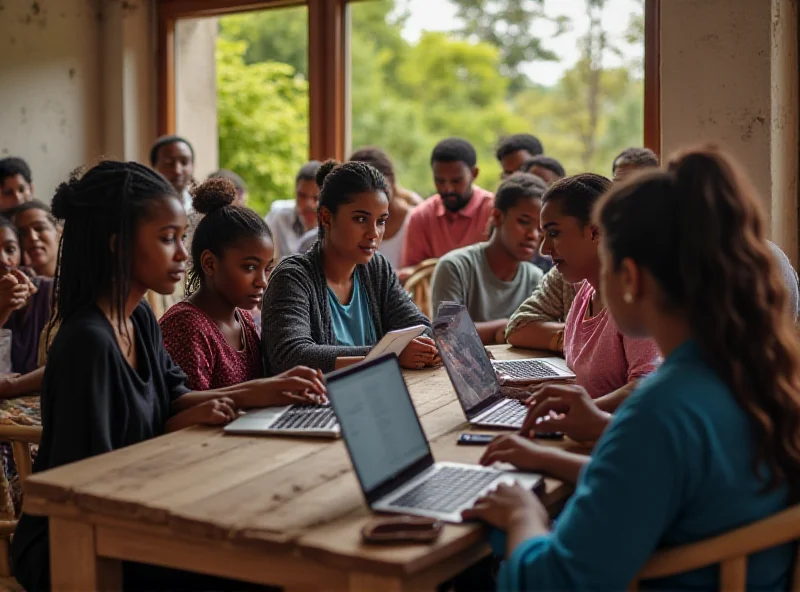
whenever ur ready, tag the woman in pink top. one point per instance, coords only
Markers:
(607, 363)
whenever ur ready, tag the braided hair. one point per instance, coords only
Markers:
(339, 182)
(101, 207)
(223, 225)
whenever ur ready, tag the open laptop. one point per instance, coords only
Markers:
(390, 453)
(528, 369)
(288, 420)
(474, 375)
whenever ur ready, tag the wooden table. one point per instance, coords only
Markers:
(271, 510)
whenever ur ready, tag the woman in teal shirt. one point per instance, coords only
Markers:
(707, 443)
(331, 305)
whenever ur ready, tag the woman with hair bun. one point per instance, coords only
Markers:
(109, 382)
(709, 442)
(328, 307)
(211, 335)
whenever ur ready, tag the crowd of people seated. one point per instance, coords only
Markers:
(141, 301)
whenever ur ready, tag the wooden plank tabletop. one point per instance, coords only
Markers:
(297, 495)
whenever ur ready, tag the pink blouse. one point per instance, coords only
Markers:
(602, 358)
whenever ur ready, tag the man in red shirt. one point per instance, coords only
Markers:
(455, 217)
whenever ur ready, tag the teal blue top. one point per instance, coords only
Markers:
(674, 467)
(352, 323)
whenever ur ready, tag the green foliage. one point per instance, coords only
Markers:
(263, 123)
(406, 96)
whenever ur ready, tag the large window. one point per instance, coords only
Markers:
(320, 77)
(569, 71)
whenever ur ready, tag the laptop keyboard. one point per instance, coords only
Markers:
(511, 414)
(524, 369)
(303, 417)
(447, 489)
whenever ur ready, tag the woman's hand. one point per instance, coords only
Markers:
(564, 408)
(8, 384)
(418, 354)
(520, 452)
(215, 412)
(300, 385)
(507, 506)
(15, 290)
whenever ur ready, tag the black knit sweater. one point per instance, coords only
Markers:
(296, 319)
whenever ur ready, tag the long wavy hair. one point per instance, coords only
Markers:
(698, 228)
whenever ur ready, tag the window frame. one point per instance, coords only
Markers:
(327, 66)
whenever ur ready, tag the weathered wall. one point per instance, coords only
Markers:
(729, 75)
(51, 112)
(196, 90)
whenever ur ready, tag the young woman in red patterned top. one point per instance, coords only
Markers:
(211, 334)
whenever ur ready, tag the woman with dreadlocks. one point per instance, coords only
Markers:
(109, 382)
(326, 308)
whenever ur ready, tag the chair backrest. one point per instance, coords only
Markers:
(418, 285)
(730, 551)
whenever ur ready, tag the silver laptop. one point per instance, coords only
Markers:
(289, 420)
(474, 375)
(390, 453)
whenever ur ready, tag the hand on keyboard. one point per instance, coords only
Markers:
(565, 408)
(513, 509)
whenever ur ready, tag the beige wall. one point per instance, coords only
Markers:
(76, 84)
(50, 108)
(196, 91)
(729, 75)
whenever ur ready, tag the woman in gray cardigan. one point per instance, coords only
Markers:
(328, 307)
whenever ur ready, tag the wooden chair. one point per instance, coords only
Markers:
(418, 285)
(21, 438)
(730, 551)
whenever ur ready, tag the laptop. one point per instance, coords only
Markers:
(288, 420)
(474, 375)
(390, 453)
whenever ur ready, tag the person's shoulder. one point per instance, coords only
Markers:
(380, 264)
(469, 255)
(427, 208)
(281, 208)
(531, 272)
(300, 268)
(181, 313)
(484, 194)
(88, 331)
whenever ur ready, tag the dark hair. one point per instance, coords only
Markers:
(6, 223)
(578, 194)
(640, 157)
(106, 203)
(455, 150)
(223, 225)
(163, 141)
(377, 158)
(516, 187)
(339, 182)
(237, 181)
(699, 230)
(551, 164)
(13, 165)
(517, 142)
(34, 204)
(308, 172)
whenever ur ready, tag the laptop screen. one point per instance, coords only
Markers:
(378, 421)
(464, 356)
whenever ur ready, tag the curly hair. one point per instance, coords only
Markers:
(698, 228)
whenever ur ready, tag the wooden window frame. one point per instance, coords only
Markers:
(327, 68)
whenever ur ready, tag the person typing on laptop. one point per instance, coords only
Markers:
(708, 442)
(328, 307)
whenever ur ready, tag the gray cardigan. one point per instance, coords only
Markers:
(296, 326)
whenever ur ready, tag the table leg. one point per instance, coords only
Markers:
(74, 564)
